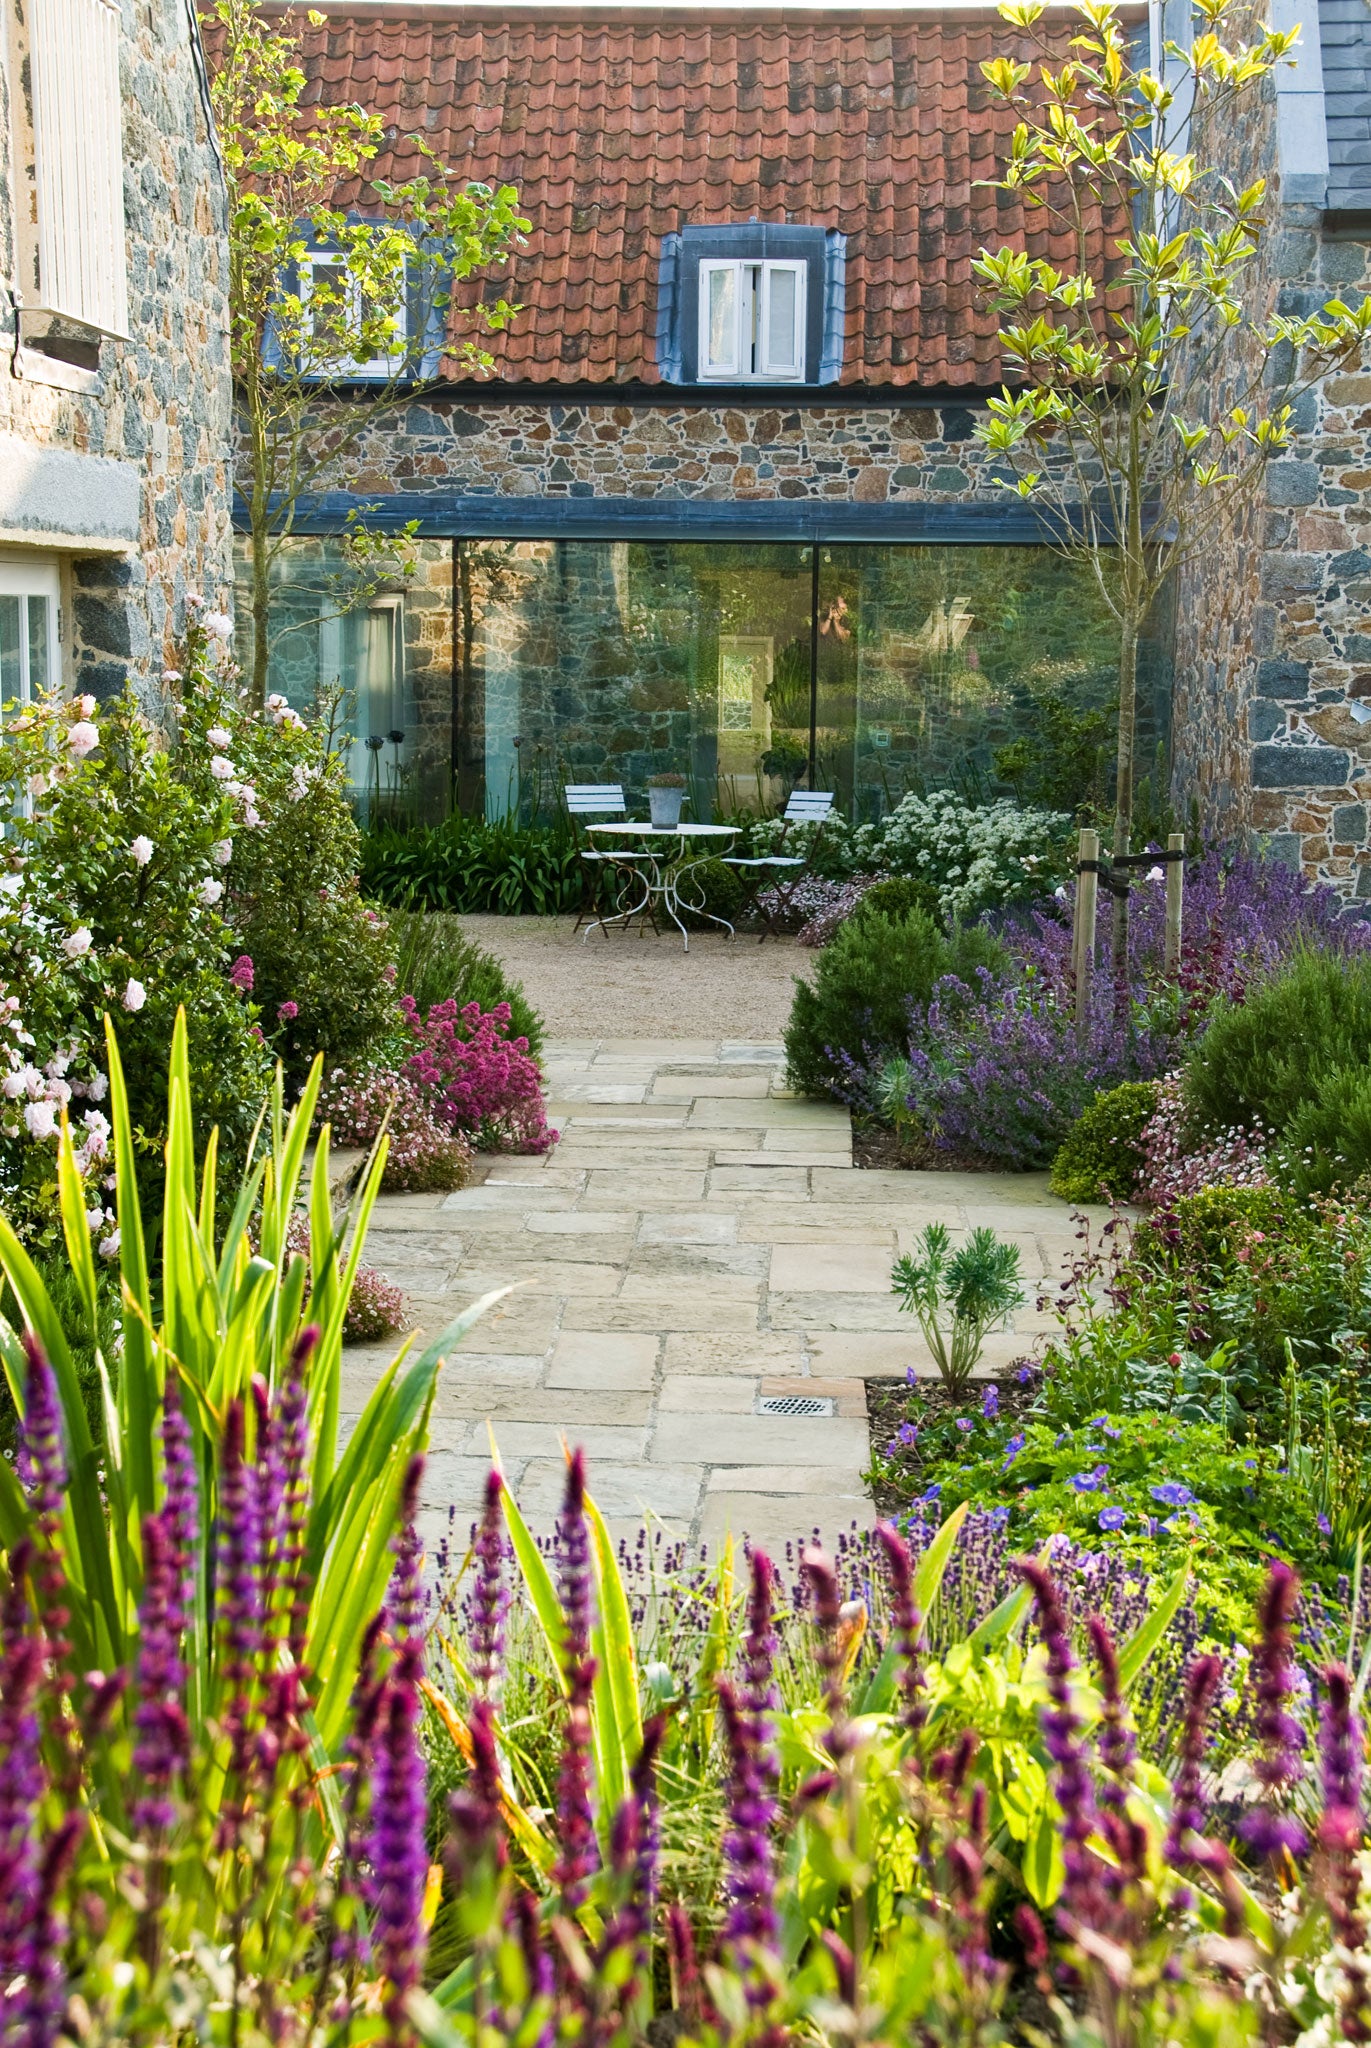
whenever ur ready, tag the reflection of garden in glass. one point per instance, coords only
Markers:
(590, 661)
(990, 669)
(378, 656)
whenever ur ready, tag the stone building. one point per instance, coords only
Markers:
(719, 508)
(115, 397)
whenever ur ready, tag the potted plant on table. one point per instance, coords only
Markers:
(665, 795)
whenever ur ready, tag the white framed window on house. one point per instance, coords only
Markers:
(28, 631)
(345, 307)
(752, 321)
(68, 149)
(363, 653)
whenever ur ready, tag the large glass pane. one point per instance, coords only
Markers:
(988, 669)
(39, 647)
(381, 655)
(11, 673)
(611, 661)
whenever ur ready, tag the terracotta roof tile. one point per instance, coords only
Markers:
(621, 130)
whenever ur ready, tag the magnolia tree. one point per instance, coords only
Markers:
(1150, 369)
(337, 312)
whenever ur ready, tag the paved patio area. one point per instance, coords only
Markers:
(698, 1243)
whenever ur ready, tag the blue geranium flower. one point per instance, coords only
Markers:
(990, 1406)
(1325, 1526)
(1173, 1495)
(1102, 1422)
(965, 1422)
(1112, 1518)
(1091, 1482)
(998, 1517)
(908, 1434)
(1011, 1450)
(1025, 1374)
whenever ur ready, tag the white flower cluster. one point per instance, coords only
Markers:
(223, 770)
(975, 855)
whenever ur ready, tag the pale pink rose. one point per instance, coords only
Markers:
(219, 624)
(218, 738)
(86, 706)
(210, 892)
(41, 1119)
(221, 853)
(83, 739)
(77, 943)
(135, 995)
(109, 1246)
(222, 769)
(141, 849)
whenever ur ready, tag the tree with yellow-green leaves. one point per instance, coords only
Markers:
(1153, 383)
(339, 311)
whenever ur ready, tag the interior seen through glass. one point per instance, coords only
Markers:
(501, 670)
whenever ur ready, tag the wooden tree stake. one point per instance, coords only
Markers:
(1087, 895)
(1175, 900)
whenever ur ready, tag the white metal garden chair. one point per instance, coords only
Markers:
(599, 864)
(782, 871)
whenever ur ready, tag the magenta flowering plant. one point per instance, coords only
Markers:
(481, 1081)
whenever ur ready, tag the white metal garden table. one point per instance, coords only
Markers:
(669, 870)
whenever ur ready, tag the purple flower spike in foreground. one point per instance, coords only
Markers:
(907, 1623)
(748, 1855)
(238, 1574)
(161, 1734)
(399, 1808)
(21, 1769)
(1340, 1836)
(834, 1624)
(180, 1509)
(1267, 1830)
(490, 1599)
(42, 1466)
(575, 1821)
(42, 1999)
(1185, 1839)
(1062, 1734)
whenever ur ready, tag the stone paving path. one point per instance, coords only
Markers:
(698, 1242)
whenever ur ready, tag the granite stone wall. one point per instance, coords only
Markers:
(161, 403)
(559, 450)
(1273, 648)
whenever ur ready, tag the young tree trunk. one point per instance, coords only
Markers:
(1123, 789)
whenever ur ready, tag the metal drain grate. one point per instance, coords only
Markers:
(795, 1404)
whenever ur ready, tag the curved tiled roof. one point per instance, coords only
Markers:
(617, 128)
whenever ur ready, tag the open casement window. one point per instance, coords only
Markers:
(752, 321)
(325, 284)
(28, 632)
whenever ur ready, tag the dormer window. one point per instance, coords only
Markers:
(752, 321)
(334, 309)
(751, 303)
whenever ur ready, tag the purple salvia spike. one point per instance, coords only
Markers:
(399, 1812)
(831, 1649)
(529, 1933)
(908, 1626)
(476, 1809)
(577, 1854)
(42, 2000)
(269, 1479)
(42, 1468)
(1062, 1736)
(406, 1597)
(643, 1781)
(346, 1943)
(1269, 1830)
(490, 1599)
(293, 1424)
(749, 1860)
(161, 1733)
(1115, 1740)
(1185, 1837)
(181, 1503)
(238, 1582)
(22, 1780)
(1341, 1831)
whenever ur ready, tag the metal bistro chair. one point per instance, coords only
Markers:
(806, 807)
(603, 800)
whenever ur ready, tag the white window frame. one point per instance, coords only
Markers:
(73, 250)
(748, 361)
(30, 579)
(384, 367)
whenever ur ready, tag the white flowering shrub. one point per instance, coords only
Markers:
(977, 856)
(207, 863)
